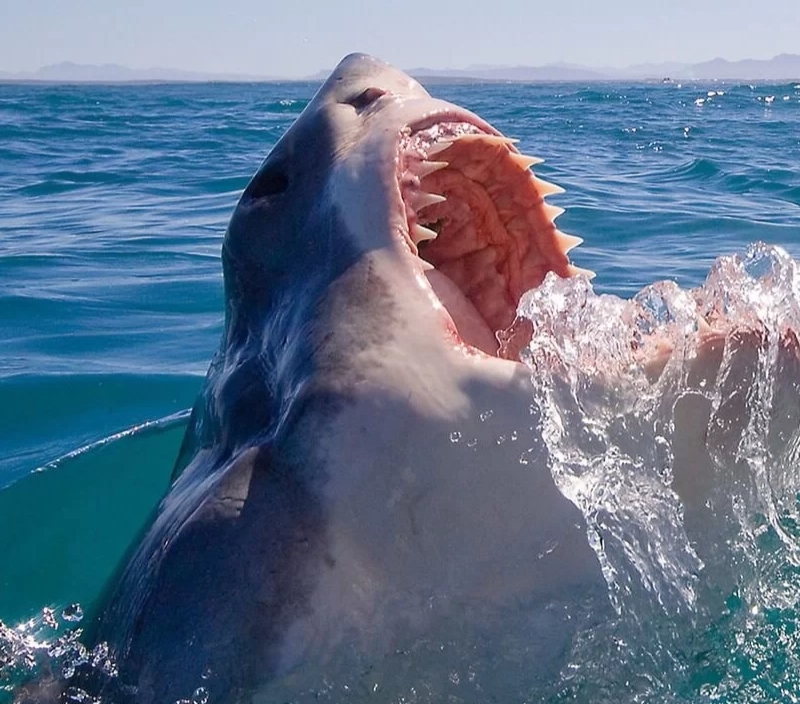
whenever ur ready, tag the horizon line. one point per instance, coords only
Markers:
(481, 72)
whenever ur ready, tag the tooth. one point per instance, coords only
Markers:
(567, 242)
(545, 188)
(499, 139)
(423, 200)
(420, 233)
(552, 211)
(494, 139)
(439, 147)
(573, 270)
(525, 161)
(426, 168)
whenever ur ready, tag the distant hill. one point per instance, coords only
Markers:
(782, 67)
(550, 72)
(68, 72)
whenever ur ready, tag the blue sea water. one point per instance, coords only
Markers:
(113, 203)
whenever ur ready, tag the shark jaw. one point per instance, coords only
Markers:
(477, 225)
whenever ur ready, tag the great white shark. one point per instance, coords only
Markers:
(326, 499)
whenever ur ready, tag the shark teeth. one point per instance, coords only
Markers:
(567, 242)
(545, 188)
(573, 270)
(420, 233)
(524, 161)
(442, 145)
(493, 139)
(552, 211)
(472, 159)
(423, 168)
(423, 200)
(439, 147)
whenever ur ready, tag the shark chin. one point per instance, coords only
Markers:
(343, 492)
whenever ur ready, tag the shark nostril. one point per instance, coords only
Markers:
(366, 97)
(270, 181)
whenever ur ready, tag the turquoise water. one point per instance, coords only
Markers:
(114, 202)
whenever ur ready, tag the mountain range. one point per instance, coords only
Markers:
(69, 72)
(781, 67)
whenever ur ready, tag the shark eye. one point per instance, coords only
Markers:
(366, 97)
(270, 181)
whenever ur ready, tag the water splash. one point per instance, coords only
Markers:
(49, 648)
(671, 421)
(605, 426)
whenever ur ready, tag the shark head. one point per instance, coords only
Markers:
(374, 163)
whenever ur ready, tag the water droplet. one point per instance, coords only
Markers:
(765, 262)
(485, 415)
(72, 613)
(49, 618)
(455, 436)
(75, 695)
(200, 696)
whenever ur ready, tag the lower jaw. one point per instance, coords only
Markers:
(469, 326)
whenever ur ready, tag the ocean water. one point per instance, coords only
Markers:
(114, 200)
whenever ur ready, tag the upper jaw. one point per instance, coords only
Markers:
(440, 111)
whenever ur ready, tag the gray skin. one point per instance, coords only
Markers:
(320, 497)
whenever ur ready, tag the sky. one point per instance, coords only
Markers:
(296, 38)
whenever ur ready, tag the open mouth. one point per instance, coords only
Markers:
(477, 219)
